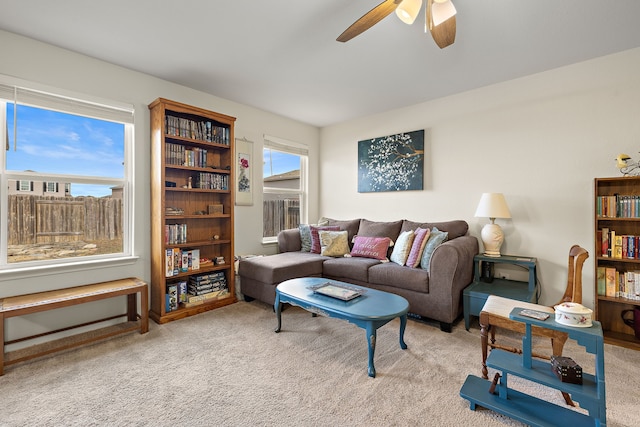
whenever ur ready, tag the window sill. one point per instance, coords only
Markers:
(12, 273)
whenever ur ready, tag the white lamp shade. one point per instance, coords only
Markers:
(441, 11)
(493, 205)
(408, 10)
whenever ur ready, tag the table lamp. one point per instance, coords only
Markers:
(492, 206)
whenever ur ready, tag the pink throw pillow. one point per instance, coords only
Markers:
(419, 242)
(315, 237)
(371, 247)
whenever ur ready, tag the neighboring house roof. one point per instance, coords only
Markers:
(284, 176)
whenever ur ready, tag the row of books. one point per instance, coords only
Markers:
(620, 246)
(181, 261)
(204, 130)
(177, 154)
(197, 290)
(175, 234)
(618, 206)
(618, 284)
(212, 181)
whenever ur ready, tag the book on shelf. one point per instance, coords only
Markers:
(171, 297)
(610, 281)
(182, 291)
(617, 247)
(601, 280)
(169, 262)
(605, 242)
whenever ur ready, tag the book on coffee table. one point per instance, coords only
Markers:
(334, 290)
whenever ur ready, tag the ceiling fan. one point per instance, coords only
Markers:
(440, 19)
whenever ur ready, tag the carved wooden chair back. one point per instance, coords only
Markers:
(577, 257)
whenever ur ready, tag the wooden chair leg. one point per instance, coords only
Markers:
(484, 330)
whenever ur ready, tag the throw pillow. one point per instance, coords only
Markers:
(315, 238)
(436, 237)
(371, 247)
(305, 237)
(419, 242)
(402, 247)
(333, 243)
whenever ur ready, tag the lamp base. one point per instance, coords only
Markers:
(492, 238)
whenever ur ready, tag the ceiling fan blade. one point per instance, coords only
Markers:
(443, 34)
(369, 19)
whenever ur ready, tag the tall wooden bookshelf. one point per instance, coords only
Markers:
(617, 209)
(192, 204)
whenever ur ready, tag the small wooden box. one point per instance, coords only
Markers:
(215, 209)
(566, 369)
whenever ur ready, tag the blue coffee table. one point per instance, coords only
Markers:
(369, 311)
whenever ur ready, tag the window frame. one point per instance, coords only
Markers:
(48, 98)
(288, 147)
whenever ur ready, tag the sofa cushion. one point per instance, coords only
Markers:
(280, 267)
(392, 274)
(402, 247)
(455, 228)
(436, 237)
(353, 268)
(333, 243)
(315, 237)
(417, 248)
(351, 226)
(371, 247)
(380, 229)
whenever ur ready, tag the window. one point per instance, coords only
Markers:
(284, 186)
(24, 185)
(50, 187)
(66, 177)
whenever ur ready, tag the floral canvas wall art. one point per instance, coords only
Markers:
(391, 163)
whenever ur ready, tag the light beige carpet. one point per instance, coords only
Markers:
(228, 368)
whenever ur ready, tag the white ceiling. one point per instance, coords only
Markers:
(282, 56)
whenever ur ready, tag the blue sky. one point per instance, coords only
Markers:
(60, 143)
(276, 162)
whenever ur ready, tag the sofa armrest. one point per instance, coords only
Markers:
(451, 270)
(289, 240)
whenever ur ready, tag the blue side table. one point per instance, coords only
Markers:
(476, 294)
(532, 410)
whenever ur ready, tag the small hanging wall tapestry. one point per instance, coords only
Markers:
(391, 163)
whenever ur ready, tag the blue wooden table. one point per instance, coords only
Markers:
(532, 410)
(369, 311)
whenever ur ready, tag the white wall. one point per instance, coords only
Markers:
(48, 65)
(540, 140)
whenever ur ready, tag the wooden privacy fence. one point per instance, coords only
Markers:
(39, 219)
(279, 215)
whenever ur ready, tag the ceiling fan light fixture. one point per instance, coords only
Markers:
(441, 10)
(408, 10)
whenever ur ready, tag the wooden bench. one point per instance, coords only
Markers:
(43, 301)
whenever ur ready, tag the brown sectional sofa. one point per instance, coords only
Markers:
(434, 294)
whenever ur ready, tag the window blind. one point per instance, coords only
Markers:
(97, 110)
(279, 144)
